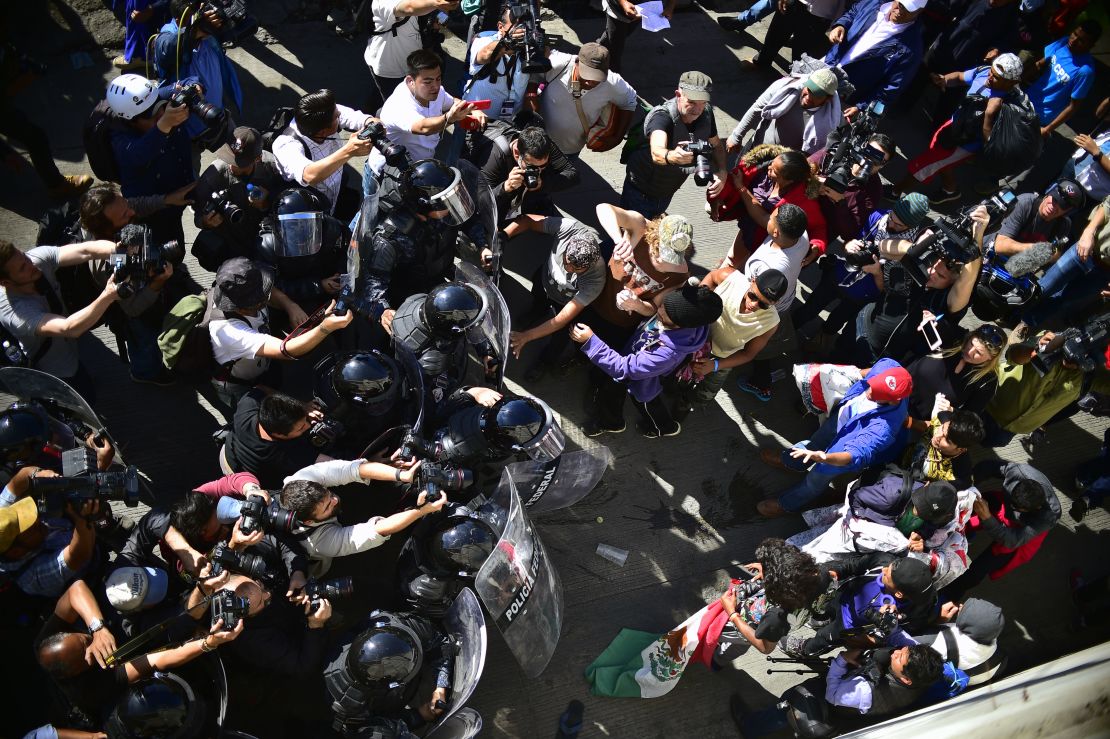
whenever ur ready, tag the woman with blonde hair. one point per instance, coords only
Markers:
(966, 374)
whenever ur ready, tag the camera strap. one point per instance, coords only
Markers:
(576, 93)
(951, 648)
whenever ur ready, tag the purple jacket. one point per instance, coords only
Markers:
(651, 354)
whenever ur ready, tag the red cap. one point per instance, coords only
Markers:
(890, 386)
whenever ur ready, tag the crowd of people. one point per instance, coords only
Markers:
(369, 242)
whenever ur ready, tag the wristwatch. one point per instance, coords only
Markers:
(95, 625)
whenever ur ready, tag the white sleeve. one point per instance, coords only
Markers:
(350, 119)
(290, 156)
(333, 540)
(231, 341)
(624, 96)
(331, 474)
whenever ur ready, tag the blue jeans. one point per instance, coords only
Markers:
(757, 12)
(1069, 285)
(648, 207)
(814, 483)
(142, 349)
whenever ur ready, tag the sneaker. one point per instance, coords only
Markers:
(125, 65)
(71, 186)
(162, 379)
(1079, 508)
(762, 394)
(942, 196)
(773, 458)
(1033, 441)
(731, 23)
(593, 428)
(649, 431)
(770, 508)
(818, 621)
(793, 646)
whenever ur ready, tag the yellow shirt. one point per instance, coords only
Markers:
(733, 330)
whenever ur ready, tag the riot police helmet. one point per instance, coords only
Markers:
(452, 308)
(368, 379)
(435, 190)
(24, 429)
(386, 656)
(162, 707)
(524, 425)
(461, 544)
(300, 222)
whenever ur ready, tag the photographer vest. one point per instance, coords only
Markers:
(662, 181)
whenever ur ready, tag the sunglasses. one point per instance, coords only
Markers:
(992, 336)
(758, 300)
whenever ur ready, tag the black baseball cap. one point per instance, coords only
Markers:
(911, 577)
(1067, 194)
(243, 149)
(935, 502)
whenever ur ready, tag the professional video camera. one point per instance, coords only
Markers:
(854, 149)
(80, 481)
(395, 155)
(435, 478)
(1079, 346)
(223, 558)
(214, 118)
(880, 625)
(334, 589)
(140, 259)
(952, 239)
(220, 202)
(234, 21)
(230, 607)
(531, 45)
(703, 169)
(257, 515)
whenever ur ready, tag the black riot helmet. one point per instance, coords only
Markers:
(387, 656)
(368, 379)
(461, 543)
(524, 425)
(161, 707)
(300, 222)
(452, 308)
(431, 187)
(24, 430)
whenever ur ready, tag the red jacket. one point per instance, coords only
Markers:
(728, 208)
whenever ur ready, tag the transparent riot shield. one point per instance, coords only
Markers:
(519, 586)
(466, 624)
(414, 392)
(495, 323)
(481, 230)
(562, 482)
(465, 724)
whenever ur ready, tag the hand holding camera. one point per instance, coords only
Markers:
(173, 115)
(318, 613)
(218, 634)
(681, 154)
(427, 506)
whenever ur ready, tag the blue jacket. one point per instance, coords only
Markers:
(207, 63)
(882, 72)
(650, 354)
(153, 163)
(869, 433)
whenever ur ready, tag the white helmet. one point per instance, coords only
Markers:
(131, 94)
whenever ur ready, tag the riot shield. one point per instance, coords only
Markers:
(21, 383)
(465, 724)
(467, 625)
(414, 394)
(519, 586)
(481, 230)
(562, 482)
(495, 323)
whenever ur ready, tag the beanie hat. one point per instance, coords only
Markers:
(773, 284)
(693, 306)
(980, 620)
(911, 209)
(890, 386)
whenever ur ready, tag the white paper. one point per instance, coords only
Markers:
(651, 14)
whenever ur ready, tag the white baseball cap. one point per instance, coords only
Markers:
(132, 588)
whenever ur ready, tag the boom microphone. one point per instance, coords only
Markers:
(1030, 260)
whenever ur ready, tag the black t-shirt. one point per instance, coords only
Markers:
(899, 309)
(663, 181)
(1024, 222)
(270, 461)
(95, 691)
(932, 375)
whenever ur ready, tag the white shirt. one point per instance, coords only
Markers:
(385, 53)
(232, 341)
(857, 406)
(400, 113)
(788, 261)
(290, 146)
(972, 653)
(506, 95)
(327, 539)
(878, 32)
(560, 112)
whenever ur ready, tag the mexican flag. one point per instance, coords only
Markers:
(641, 665)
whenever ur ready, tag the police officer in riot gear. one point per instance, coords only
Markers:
(410, 246)
(161, 707)
(305, 246)
(442, 557)
(378, 673)
(29, 435)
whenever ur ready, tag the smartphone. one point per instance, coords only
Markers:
(932, 335)
(442, 18)
(479, 104)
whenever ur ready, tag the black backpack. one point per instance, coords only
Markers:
(98, 143)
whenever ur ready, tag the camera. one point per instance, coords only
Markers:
(235, 22)
(855, 149)
(326, 430)
(952, 239)
(531, 46)
(531, 176)
(80, 481)
(1078, 346)
(703, 170)
(223, 558)
(881, 624)
(435, 478)
(868, 252)
(212, 116)
(395, 155)
(140, 259)
(336, 588)
(230, 607)
(257, 515)
(220, 202)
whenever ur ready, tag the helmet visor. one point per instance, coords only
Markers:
(300, 234)
(548, 444)
(456, 200)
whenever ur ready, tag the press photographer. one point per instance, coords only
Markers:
(232, 196)
(497, 68)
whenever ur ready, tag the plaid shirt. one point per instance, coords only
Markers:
(43, 572)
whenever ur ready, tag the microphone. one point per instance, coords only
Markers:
(1030, 260)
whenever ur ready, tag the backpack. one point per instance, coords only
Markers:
(1015, 139)
(279, 121)
(97, 135)
(637, 137)
(185, 343)
(954, 680)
